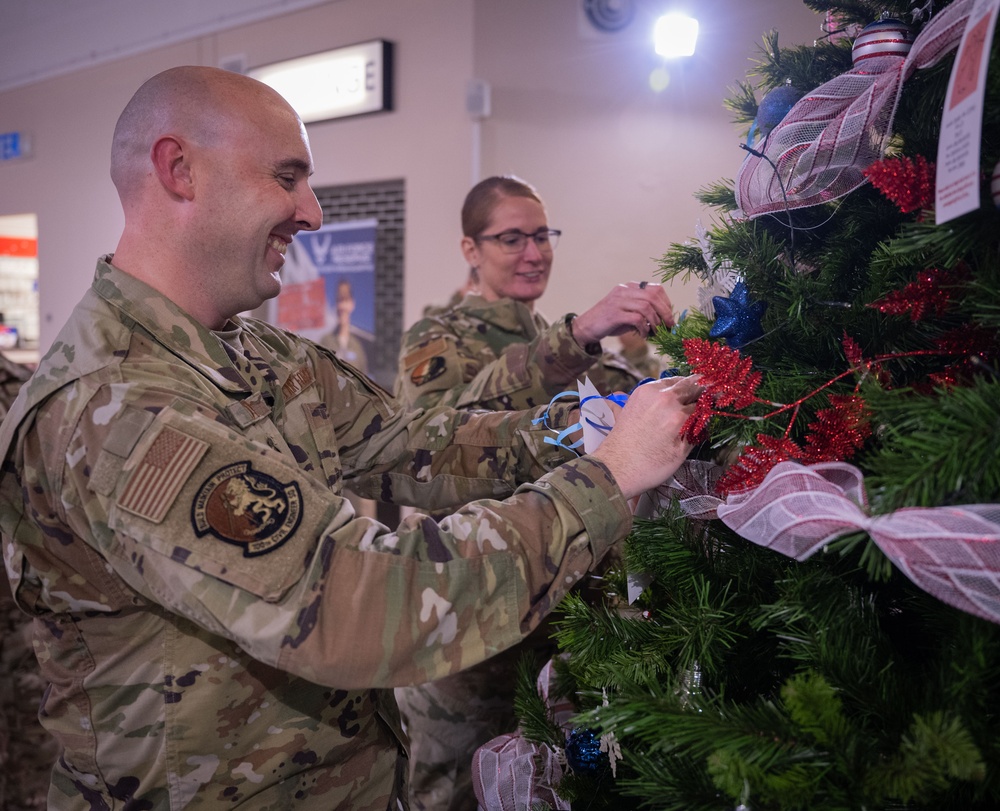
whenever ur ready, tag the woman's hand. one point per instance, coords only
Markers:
(638, 306)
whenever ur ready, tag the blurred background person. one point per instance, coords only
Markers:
(343, 338)
(491, 350)
(639, 352)
(27, 750)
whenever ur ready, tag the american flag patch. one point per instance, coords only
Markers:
(158, 479)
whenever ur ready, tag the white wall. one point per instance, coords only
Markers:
(572, 112)
(616, 162)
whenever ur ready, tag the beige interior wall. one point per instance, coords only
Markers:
(571, 111)
(425, 140)
(616, 162)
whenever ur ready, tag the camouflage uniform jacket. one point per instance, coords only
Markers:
(215, 623)
(501, 356)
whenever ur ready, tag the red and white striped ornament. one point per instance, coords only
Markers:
(995, 186)
(885, 37)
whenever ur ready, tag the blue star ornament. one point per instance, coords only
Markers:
(736, 318)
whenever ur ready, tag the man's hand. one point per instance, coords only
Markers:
(645, 448)
(637, 306)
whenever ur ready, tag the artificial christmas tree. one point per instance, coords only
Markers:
(820, 627)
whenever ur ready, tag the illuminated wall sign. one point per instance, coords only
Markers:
(14, 145)
(334, 84)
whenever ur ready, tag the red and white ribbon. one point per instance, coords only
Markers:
(831, 135)
(510, 773)
(953, 553)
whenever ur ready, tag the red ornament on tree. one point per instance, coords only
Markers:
(930, 293)
(908, 183)
(885, 37)
(728, 378)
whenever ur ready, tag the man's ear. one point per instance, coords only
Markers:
(172, 166)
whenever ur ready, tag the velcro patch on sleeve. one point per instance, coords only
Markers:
(246, 412)
(429, 370)
(160, 475)
(425, 352)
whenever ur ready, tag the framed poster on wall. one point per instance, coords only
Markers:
(328, 289)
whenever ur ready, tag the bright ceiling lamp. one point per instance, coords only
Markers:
(675, 35)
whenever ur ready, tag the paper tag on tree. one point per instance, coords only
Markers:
(957, 183)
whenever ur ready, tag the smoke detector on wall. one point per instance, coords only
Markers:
(609, 16)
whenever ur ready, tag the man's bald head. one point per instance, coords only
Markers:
(200, 104)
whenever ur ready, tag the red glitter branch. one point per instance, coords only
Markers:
(729, 381)
(968, 344)
(909, 183)
(837, 432)
(836, 435)
(756, 462)
(930, 293)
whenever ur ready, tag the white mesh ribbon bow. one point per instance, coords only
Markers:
(511, 773)
(823, 145)
(952, 553)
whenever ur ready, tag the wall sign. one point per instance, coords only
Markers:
(343, 82)
(328, 289)
(14, 145)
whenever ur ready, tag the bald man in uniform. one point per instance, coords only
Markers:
(218, 627)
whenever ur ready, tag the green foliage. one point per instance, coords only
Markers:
(721, 195)
(535, 719)
(917, 462)
(739, 675)
(934, 751)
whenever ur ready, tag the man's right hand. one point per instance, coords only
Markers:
(645, 448)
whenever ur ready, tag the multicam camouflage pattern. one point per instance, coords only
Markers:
(447, 720)
(501, 356)
(218, 628)
(12, 377)
(27, 751)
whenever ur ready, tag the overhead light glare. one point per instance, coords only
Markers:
(675, 35)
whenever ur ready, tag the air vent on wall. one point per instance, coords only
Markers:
(609, 15)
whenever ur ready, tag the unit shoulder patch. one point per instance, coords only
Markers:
(248, 508)
(422, 353)
(428, 370)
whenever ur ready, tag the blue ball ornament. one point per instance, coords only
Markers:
(583, 752)
(775, 105)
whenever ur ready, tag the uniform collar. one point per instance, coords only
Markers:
(172, 327)
(505, 314)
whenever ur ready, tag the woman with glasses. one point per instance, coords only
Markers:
(492, 350)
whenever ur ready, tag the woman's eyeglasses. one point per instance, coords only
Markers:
(516, 241)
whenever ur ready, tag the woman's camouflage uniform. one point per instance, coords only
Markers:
(217, 630)
(498, 356)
